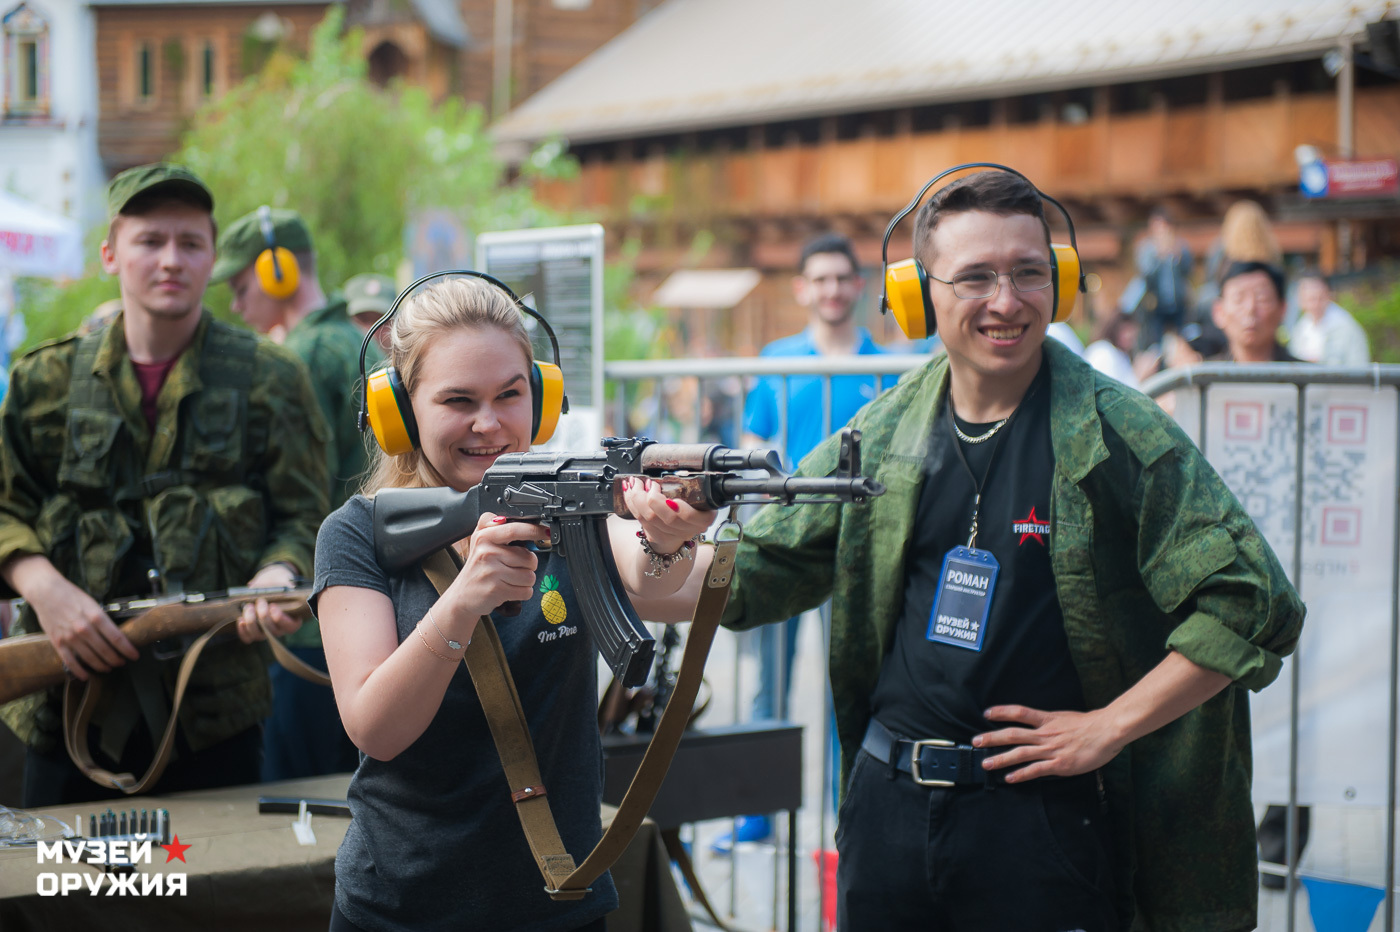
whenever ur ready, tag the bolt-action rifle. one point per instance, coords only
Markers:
(29, 662)
(573, 494)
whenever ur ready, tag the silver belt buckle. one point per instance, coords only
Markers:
(917, 772)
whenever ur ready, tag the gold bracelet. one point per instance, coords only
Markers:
(430, 647)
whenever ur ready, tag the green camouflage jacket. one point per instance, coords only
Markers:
(232, 478)
(1150, 551)
(328, 341)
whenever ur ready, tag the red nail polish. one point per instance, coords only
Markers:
(500, 520)
(670, 503)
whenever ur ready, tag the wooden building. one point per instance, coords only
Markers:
(758, 124)
(160, 60)
(157, 63)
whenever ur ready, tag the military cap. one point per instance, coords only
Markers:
(369, 293)
(243, 240)
(144, 179)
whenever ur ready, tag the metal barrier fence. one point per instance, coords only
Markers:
(1243, 414)
(1300, 486)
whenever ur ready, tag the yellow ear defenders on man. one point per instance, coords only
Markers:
(275, 267)
(907, 294)
(388, 410)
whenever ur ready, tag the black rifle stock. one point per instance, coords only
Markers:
(573, 494)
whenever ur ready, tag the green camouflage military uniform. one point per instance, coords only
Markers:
(232, 478)
(329, 343)
(1150, 551)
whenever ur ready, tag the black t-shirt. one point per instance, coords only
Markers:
(434, 842)
(932, 689)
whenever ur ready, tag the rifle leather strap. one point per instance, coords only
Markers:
(77, 714)
(78, 711)
(290, 661)
(671, 837)
(495, 688)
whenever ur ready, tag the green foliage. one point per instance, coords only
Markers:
(51, 310)
(1377, 308)
(354, 160)
(315, 135)
(631, 331)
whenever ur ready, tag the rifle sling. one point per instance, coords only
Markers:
(671, 838)
(500, 701)
(78, 710)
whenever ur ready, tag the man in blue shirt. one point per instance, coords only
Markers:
(828, 284)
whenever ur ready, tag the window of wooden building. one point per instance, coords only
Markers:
(206, 69)
(27, 57)
(145, 66)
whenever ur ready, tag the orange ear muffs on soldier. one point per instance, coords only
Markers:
(388, 411)
(906, 292)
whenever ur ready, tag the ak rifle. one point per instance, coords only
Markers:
(29, 662)
(573, 494)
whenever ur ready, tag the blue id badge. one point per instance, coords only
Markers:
(964, 598)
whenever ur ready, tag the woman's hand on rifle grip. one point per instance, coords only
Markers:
(495, 571)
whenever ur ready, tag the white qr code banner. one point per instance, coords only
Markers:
(1348, 564)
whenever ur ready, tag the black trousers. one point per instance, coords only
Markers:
(967, 859)
(52, 779)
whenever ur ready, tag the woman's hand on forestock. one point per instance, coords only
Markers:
(495, 571)
(667, 522)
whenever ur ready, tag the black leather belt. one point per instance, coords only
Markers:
(931, 761)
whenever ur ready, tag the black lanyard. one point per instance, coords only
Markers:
(1002, 430)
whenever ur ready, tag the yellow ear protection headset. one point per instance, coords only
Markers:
(275, 267)
(907, 294)
(388, 411)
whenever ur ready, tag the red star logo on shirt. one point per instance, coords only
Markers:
(1030, 526)
(175, 850)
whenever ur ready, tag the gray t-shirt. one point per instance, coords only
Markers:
(434, 841)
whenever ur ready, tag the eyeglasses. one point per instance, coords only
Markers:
(984, 284)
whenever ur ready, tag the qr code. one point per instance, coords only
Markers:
(1335, 481)
(1255, 451)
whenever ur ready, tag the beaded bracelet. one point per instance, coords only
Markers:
(661, 563)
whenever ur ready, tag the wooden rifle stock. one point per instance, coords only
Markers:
(29, 662)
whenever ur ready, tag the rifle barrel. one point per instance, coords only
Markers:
(788, 487)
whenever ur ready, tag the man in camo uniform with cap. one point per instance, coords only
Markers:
(304, 736)
(163, 446)
(368, 297)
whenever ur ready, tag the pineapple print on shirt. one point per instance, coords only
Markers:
(551, 602)
(554, 610)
